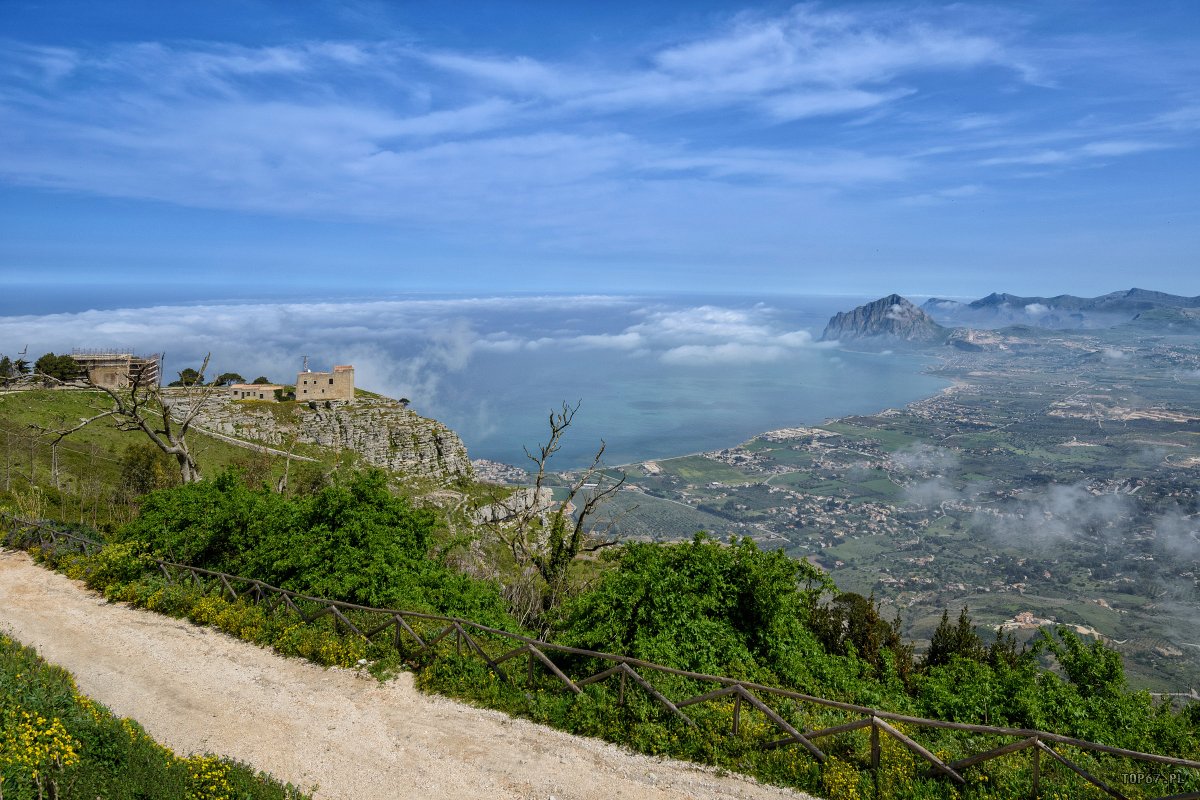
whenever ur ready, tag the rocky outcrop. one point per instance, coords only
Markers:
(888, 320)
(382, 431)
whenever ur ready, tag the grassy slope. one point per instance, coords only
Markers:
(89, 460)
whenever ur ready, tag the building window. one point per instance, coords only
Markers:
(331, 381)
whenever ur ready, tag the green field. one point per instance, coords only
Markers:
(698, 469)
(77, 475)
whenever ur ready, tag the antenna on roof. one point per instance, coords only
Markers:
(305, 364)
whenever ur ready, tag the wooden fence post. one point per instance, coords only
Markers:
(1036, 769)
(875, 755)
(737, 712)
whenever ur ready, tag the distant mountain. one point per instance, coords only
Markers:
(1063, 311)
(1132, 300)
(891, 319)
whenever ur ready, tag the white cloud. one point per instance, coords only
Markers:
(831, 167)
(941, 196)
(389, 131)
(1061, 513)
(976, 122)
(926, 458)
(728, 353)
(828, 48)
(405, 347)
(43, 65)
(629, 340)
(520, 74)
(1178, 535)
(1119, 148)
(797, 105)
(1091, 150)
(626, 149)
(709, 334)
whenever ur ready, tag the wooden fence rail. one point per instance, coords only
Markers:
(467, 636)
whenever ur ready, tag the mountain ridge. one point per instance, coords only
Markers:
(1059, 311)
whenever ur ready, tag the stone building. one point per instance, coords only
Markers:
(254, 391)
(336, 385)
(117, 369)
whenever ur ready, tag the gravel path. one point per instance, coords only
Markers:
(197, 690)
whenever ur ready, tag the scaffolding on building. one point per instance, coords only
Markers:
(118, 367)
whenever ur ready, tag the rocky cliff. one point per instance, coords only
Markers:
(889, 320)
(381, 430)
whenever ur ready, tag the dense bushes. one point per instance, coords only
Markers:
(55, 742)
(741, 612)
(699, 606)
(352, 541)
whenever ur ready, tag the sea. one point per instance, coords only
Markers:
(651, 376)
(702, 374)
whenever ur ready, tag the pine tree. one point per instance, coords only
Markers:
(959, 639)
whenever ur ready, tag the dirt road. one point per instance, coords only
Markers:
(197, 690)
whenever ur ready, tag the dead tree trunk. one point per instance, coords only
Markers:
(163, 418)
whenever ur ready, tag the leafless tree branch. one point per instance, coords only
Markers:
(546, 535)
(145, 407)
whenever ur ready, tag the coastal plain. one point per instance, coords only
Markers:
(1054, 482)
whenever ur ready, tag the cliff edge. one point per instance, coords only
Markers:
(382, 431)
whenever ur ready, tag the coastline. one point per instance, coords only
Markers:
(954, 384)
(930, 359)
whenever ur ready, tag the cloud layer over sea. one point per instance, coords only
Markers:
(657, 376)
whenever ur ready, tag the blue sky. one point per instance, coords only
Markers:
(246, 150)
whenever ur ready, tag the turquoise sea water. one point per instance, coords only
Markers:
(700, 374)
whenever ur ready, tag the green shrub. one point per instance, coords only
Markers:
(351, 541)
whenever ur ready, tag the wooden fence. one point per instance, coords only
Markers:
(503, 647)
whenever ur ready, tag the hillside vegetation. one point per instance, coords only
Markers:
(96, 474)
(702, 606)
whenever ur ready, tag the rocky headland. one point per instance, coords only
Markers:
(888, 320)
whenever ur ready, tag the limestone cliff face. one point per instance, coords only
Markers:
(381, 430)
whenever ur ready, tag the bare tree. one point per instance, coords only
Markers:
(164, 417)
(545, 537)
